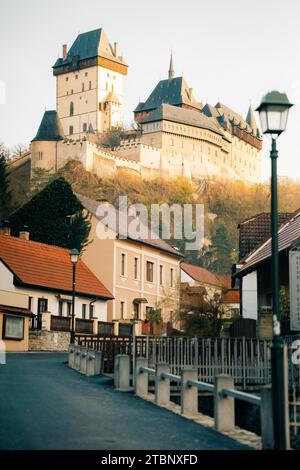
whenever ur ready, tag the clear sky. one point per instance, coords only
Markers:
(231, 51)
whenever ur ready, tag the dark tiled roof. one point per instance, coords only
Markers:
(48, 267)
(91, 205)
(210, 111)
(175, 91)
(183, 116)
(50, 128)
(255, 230)
(89, 45)
(287, 234)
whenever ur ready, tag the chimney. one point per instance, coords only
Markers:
(65, 51)
(24, 234)
(5, 228)
(116, 49)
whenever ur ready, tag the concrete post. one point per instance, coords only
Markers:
(71, 358)
(189, 395)
(162, 386)
(93, 366)
(46, 321)
(122, 372)
(77, 358)
(116, 327)
(141, 378)
(223, 406)
(83, 360)
(266, 418)
(95, 326)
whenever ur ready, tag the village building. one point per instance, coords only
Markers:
(199, 284)
(253, 273)
(141, 272)
(37, 278)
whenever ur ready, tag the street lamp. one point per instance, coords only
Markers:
(273, 113)
(74, 255)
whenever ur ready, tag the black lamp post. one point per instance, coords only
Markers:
(74, 254)
(273, 114)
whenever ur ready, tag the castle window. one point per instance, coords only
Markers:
(71, 130)
(112, 88)
(40, 155)
(84, 127)
(86, 74)
(90, 85)
(83, 87)
(67, 79)
(76, 77)
(106, 86)
(71, 108)
(71, 92)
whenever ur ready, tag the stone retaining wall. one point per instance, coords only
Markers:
(49, 341)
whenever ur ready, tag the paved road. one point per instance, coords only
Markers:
(45, 405)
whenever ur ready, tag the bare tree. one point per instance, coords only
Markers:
(4, 150)
(19, 149)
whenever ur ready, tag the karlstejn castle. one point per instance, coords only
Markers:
(175, 134)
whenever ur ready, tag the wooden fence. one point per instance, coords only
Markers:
(59, 323)
(105, 328)
(84, 326)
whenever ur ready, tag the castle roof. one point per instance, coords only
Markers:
(50, 128)
(174, 91)
(184, 116)
(89, 45)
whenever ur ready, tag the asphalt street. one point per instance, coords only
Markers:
(45, 405)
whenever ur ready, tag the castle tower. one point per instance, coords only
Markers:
(44, 147)
(250, 120)
(90, 85)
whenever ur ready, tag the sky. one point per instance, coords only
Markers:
(229, 51)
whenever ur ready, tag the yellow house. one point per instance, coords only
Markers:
(142, 274)
(14, 321)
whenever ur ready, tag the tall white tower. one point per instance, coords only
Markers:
(90, 85)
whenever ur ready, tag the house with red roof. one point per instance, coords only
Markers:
(197, 281)
(36, 282)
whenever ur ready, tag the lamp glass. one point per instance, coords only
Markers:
(74, 254)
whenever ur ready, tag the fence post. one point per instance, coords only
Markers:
(116, 327)
(141, 378)
(77, 358)
(189, 395)
(83, 360)
(95, 326)
(162, 386)
(223, 406)
(122, 372)
(266, 418)
(71, 358)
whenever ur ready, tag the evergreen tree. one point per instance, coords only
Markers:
(5, 194)
(221, 251)
(54, 216)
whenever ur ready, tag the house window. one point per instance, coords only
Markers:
(84, 127)
(123, 264)
(149, 275)
(136, 268)
(71, 130)
(91, 311)
(69, 309)
(60, 308)
(42, 306)
(122, 310)
(71, 108)
(84, 311)
(13, 327)
(172, 277)
(161, 273)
